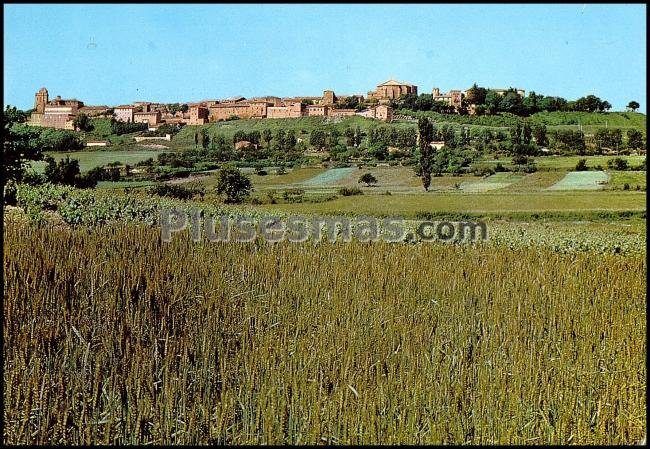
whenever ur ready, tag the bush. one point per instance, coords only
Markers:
(500, 168)
(617, 164)
(367, 179)
(350, 191)
(119, 128)
(520, 159)
(530, 168)
(626, 186)
(293, 195)
(581, 165)
(235, 185)
(483, 171)
(177, 191)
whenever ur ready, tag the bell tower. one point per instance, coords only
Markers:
(41, 99)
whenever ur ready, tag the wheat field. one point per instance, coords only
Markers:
(112, 336)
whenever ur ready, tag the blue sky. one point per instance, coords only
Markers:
(113, 54)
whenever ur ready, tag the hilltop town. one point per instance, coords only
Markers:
(60, 113)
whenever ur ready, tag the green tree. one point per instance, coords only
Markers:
(368, 179)
(526, 134)
(492, 102)
(539, 133)
(633, 105)
(267, 136)
(581, 165)
(290, 140)
(425, 137)
(19, 146)
(233, 184)
(475, 95)
(82, 123)
(205, 140)
(634, 139)
(617, 163)
(317, 139)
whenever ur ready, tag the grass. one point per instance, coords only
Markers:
(535, 181)
(618, 179)
(566, 163)
(581, 180)
(406, 205)
(494, 182)
(330, 177)
(623, 120)
(135, 341)
(91, 159)
(123, 184)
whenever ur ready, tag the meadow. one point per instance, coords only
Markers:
(98, 158)
(112, 336)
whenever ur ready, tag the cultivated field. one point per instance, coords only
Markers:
(111, 336)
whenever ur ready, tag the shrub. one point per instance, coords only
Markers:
(626, 186)
(483, 171)
(367, 179)
(617, 164)
(581, 165)
(530, 168)
(293, 195)
(235, 185)
(350, 191)
(177, 191)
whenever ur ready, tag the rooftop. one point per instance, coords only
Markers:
(392, 82)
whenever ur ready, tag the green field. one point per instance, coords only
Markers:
(494, 182)
(566, 163)
(581, 180)
(408, 205)
(91, 159)
(618, 179)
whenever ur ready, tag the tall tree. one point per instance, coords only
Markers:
(82, 123)
(19, 148)
(633, 105)
(634, 139)
(425, 137)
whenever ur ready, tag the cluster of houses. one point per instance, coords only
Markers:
(59, 113)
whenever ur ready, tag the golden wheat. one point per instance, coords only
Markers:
(111, 336)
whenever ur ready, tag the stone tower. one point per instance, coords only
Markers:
(41, 100)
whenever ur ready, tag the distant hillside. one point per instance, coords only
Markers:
(301, 126)
(591, 120)
(611, 119)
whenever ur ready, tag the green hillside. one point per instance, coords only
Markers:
(301, 126)
(610, 119)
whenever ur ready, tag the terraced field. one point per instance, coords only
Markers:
(494, 182)
(581, 180)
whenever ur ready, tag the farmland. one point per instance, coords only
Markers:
(98, 158)
(533, 336)
(135, 341)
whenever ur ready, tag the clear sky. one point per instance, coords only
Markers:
(114, 54)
